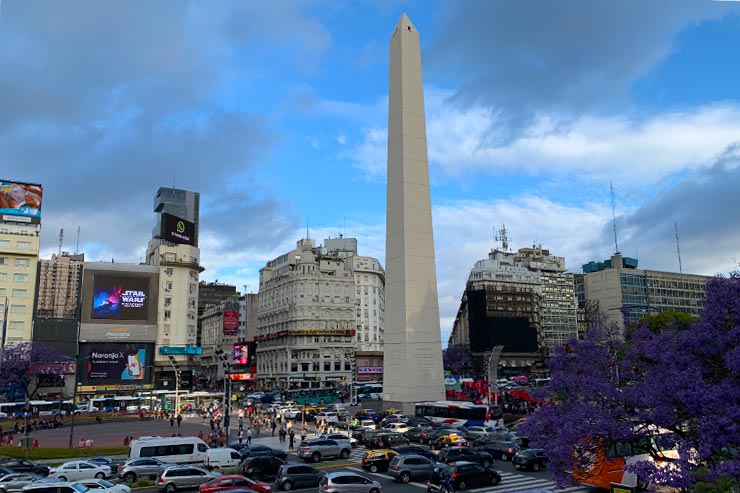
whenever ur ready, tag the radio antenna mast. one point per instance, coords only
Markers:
(614, 217)
(77, 250)
(678, 247)
(61, 241)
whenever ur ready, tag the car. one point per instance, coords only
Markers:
(531, 458)
(397, 427)
(14, 482)
(222, 458)
(104, 484)
(327, 417)
(416, 433)
(291, 476)
(341, 437)
(25, 465)
(348, 482)
(259, 467)
(106, 461)
(55, 487)
(318, 449)
(148, 467)
(441, 431)
(79, 469)
(449, 440)
(184, 477)
(263, 451)
(454, 454)
(474, 432)
(385, 439)
(504, 450)
(378, 460)
(416, 450)
(419, 421)
(291, 413)
(232, 482)
(463, 475)
(407, 467)
(5, 472)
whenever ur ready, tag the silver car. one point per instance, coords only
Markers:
(404, 468)
(104, 486)
(348, 482)
(13, 483)
(147, 467)
(315, 450)
(183, 477)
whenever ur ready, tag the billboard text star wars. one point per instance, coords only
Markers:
(120, 298)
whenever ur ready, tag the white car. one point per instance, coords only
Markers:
(291, 413)
(78, 470)
(104, 484)
(368, 424)
(397, 427)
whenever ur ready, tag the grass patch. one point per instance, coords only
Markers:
(61, 452)
(142, 483)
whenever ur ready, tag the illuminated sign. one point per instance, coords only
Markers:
(369, 370)
(241, 354)
(177, 230)
(20, 201)
(231, 322)
(120, 298)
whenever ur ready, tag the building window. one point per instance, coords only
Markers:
(169, 257)
(23, 245)
(167, 314)
(337, 366)
(20, 277)
(14, 324)
(167, 300)
(17, 308)
(294, 367)
(2, 292)
(4, 261)
(19, 293)
(327, 366)
(168, 271)
(3, 276)
(22, 262)
(4, 243)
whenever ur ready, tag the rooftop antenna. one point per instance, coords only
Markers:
(173, 181)
(77, 249)
(307, 216)
(614, 217)
(503, 238)
(678, 247)
(61, 241)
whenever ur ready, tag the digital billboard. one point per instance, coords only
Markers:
(177, 230)
(241, 354)
(111, 363)
(231, 322)
(20, 200)
(120, 298)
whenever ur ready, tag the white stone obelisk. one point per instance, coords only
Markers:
(412, 344)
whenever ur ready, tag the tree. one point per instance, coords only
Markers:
(24, 363)
(667, 376)
(456, 358)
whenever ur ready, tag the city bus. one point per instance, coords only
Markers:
(461, 413)
(312, 397)
(35, 408)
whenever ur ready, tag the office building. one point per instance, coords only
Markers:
(19, 255)
(59, 283)
(211, 293)
(220, 325)
(180, 203)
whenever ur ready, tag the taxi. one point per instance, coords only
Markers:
(378, 460)
(449, 440)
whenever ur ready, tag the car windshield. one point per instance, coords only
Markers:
(80, 488)
(107, 484)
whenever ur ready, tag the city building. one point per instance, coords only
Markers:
(248, 309)
(179, 203)
(370, 298)
(220, 324)
(306, 321)
(59, 283)
(608, 286)
(211, 293)
(524, 301)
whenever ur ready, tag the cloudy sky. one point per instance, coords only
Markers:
(276, 113)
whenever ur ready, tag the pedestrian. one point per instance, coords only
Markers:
(126, 441)
(36, 443)
(179, 420)
(241, 423)
(172, 422)
(241, 436)
(291, 435)
(88, 442)
(249, 437)
(213, 425)
(273, 426)
(303, 435)
(81, 443)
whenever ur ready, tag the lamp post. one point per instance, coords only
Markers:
(176, 367)
(226, 364)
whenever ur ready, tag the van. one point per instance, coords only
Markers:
(175, 450)
(222, 458)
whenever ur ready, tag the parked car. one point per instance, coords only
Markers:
(419, 421)
(449, 440)
(405, 468)
(454, 454)
(463, 475)
(263, 451)
(378, 460)
(531, 458)
(504, 450)
(184, 477)
(348, 482)
(261, 467)
(340, 437)
(318, 449)
(416, 433)
(232, 482)
(149, 467)
(106, 461)
(54, 487)
(4, 471)
(327, 417)
(14, 482)
(25, 465)
(383, 439)
(79, 469)
(441, 431)
(100, 485)
(416, 450)
(290, 476)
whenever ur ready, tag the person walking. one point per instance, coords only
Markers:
(179, 420)
(249, 437)
(303, 435)
(241, 436)
(273, 425)
(172, 421)
(291, 437)
(241, 423)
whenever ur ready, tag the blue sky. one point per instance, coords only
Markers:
(276, 112)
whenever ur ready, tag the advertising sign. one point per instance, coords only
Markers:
(20, 200)
(369, 370)
(241, 354)
(116, 362)
(177, 230)
(231, 322)
(120, 298)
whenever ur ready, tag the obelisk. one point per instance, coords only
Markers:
(412, 345)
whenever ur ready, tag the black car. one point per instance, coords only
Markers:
(383, 439)
(417, 433)
(24, 465)
(261, 467)
(419, 421)
(465, 475)
(504, 450)
(290, 476)
(415, 449)
(530, 458)
(106, 461)
(454, 454)
(262, 451)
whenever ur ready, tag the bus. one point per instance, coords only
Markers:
(174, 450)
(35, 408)
(461, 413)
(312, 397)
(371, 391)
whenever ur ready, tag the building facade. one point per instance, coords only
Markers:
(610, 285)
(181, 203)
(59, 283)
(220, 324)
(211, 293)
(19, 255)
(370, 299)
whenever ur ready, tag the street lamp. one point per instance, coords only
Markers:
(176, 367)
(226, 364)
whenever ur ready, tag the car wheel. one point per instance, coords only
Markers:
(316, 457)
(170, 488)
(373, 468)
(461, 485)
(486, 463)
(374, 490)
(405, 477)
(287, 485)
(535, 467)
(504, 457)
(129, 477)
(495, 480)
(100, 475)
(344, 454)
(62, 478)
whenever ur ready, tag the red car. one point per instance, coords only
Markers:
(234, 482)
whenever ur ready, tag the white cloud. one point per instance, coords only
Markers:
(341, 139)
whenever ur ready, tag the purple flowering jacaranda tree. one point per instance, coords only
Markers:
(23, 363)
(456, 358)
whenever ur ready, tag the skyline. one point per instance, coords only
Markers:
(278, 115)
